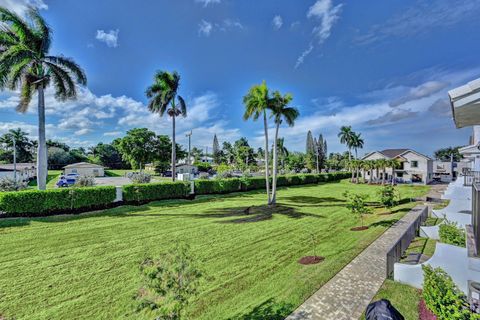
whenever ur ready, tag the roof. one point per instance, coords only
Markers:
(395, 153)
(20, 166)
(82, 165)
(465, 103)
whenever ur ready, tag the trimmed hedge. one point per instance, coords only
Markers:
(217, 186)
(155, 191)
(35, 202)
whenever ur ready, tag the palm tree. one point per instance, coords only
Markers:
(280, 112)
(346, 137)
(357, 143)
(282, 151)
(256, 104)
(25, 64)
(383, 163)
(394, 164)
(164, 98)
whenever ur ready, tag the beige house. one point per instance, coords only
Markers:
(25, 171)
(414, 166)
(85, 169)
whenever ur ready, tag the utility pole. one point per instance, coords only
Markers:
(206, 154)
(14, 161)
(189, 135)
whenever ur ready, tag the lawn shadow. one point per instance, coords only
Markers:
(312, 199)
(269, 309)
(384, 223)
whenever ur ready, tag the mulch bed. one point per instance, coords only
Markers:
(310, 260)
(424, 313)
(359, 228)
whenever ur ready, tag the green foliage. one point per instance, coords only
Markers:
(388, 196)
(253, 183)
(451, 233)
(217, 186)
(138, 147)
(170, 283)
(139, 177)
(155, 191)
(356, 203)
(442, 296)
(203, 166)
(9, 184)
(85, 181)
(445, 154)
(36, 202)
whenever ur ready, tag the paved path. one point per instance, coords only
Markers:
(350, 291)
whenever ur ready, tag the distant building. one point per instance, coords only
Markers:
(85, 169)
(444, 171)
(25, 171)
(414, 166)
(186, 168)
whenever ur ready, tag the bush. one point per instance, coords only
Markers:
(217, 186)
(253, 183)
(36, 202)
(388, 196)
(85, 181)
(356, 203)
(442, 296)
(139, 177)
(8, 184)
(450, 233)
(155, 191)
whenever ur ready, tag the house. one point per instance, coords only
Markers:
(186, 168)
(444, 171)
(414, 166)
(85, 169)
(25, 171)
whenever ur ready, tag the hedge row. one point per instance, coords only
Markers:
(37, 203)
(34, 202)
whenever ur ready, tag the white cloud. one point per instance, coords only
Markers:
(328, 16)
(304, 54)
(110, 38)
(112, 133)
(277, 22)
(207, 2)
(205, 28)
(422, 91)
(21, 6)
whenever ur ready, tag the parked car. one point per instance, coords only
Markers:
(67, 180)
(167, 174)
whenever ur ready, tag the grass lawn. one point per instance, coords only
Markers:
(403, 297)
(117, 173)
(52, 179)
(86, 266)
(421, 245)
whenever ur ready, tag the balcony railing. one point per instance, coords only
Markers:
(470, 177)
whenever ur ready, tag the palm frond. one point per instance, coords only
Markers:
(16, 73)
(71, 66)
(19, 26)
(43, 30)
(183, 106)
(26, 93)
(63, 82)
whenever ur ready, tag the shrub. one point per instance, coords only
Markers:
(85, 181)
(155, 191)
(450, 233)
(217, 186)
(356, 203)
(253, 183)
(388, 196)
(139, 177)
(8, 184)
(442, 296)
(36, 202)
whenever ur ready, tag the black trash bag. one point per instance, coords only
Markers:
(382, 310)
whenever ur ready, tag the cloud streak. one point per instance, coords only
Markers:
(110, 38)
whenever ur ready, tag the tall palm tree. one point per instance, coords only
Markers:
(394, 164)
(282, 151)
(383, 163)
(357, 143)
(346, 137)
(256, 104)
(280, 112)
(25, 64)
(164, 98)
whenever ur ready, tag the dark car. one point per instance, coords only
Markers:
(167, 173)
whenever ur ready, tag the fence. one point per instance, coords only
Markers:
(470, 177)
(396, 251)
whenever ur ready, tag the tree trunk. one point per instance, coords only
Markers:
(274, 180)
(174, 149)
(267, 168)
(357, 172)
(371, 176)
(42, 165)
(383, 175)
(349, 154)
(393, 176)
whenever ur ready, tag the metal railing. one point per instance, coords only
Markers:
(396, 251)
(470, 177)
(476, 214)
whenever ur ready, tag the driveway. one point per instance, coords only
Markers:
(112, 181)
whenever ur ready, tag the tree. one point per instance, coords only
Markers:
(310, 152)
(244, 154)
(228, 152)
(108, 156)
(282, 151)
(321, 152)
(170, 283)
(216, 151)
(23, 146)
(295, 161)
(356, 203)
(25, 64)
(256, 104)
(394, 164)
(346, 137)
(138, 147)
(163, 95)
(357, 143)
(388, 196)
(281, 112)
(446, 154)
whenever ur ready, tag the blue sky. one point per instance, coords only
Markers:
(383, 67)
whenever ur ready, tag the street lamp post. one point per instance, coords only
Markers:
(189, 135)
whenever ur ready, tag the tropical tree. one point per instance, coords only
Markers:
(382, 164)
(164, 98)
(394, 164)
(228, 152)
(256, 104)
(282, 151)
(138, 147)
(280, 112)
(357, 143)
(23, 145)
(216, 151)
(346, 136)
(25, 64)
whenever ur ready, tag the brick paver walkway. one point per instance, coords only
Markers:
(349, 292)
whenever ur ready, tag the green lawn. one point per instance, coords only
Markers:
(52, 179)
(86, 267)
(424, 246)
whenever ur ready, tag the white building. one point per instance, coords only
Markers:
(85, 169)
(444, 171)
(25, 171)
(186, 168)
(414, 166)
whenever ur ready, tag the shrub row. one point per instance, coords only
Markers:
(34, 202)
(451, 233)
(155, 191)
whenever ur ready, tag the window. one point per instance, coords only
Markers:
(414, 164)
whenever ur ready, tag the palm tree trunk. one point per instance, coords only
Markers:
(371, 176)
(393, 176)
(357, 172)
(42, 165)
(174, 149)
(274, 182)
(383, 175)
(349, 154)
(267, 168)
